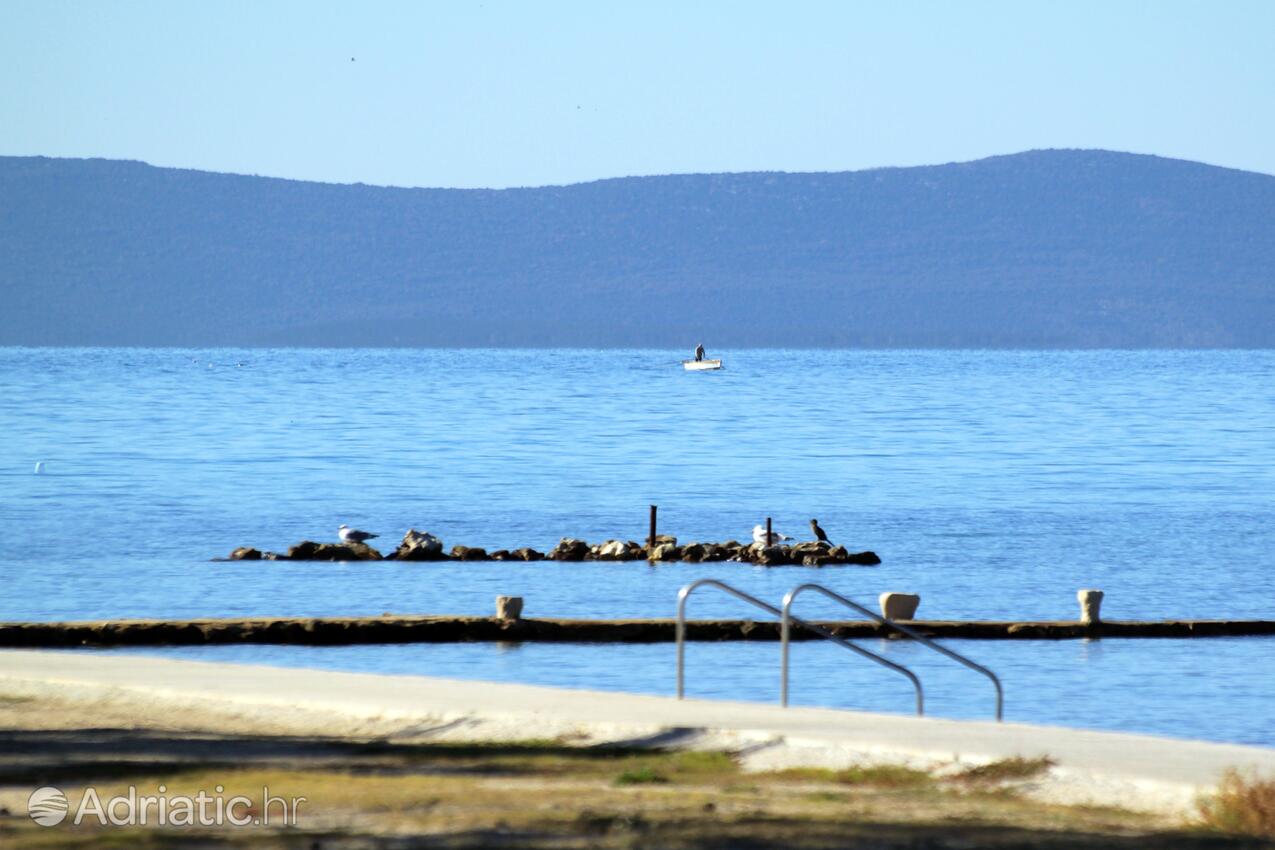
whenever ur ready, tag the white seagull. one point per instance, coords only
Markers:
(353, 535)
(759, 536)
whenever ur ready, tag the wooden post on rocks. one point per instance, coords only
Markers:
(650, 541)
(770, 538)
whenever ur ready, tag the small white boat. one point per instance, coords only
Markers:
(701, 365)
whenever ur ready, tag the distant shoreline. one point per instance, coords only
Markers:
(1045, 249)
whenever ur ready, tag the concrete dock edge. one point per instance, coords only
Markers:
(339, 631)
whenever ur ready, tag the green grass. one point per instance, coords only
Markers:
(641, 776)
(664, 767)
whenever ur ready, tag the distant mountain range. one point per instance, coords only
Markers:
(1055, 248)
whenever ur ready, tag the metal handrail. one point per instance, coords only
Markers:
(786, 616)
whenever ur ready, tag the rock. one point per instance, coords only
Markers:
(1090, 606)
(569, 549)
(525, 554)
(360, 551)
(666, 552)
(303, 550)
(756, 552)
(469, 553)
(616, 550)
(245, 553)
(714, 552)
(772, 556)
(818, 560)
(812, 547)
(899, 606)
(420, 546)
(665, 538)
(693, 552)
(308, 550)
(865, 559)
(508, 607)
(503, 555)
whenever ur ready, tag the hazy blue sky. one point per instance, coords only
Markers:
(497, 93)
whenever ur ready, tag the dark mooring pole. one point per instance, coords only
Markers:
(650, 541)
(770, 538)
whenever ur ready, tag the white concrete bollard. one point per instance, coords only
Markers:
(508, 607)
(899, 606)
(1090, 606)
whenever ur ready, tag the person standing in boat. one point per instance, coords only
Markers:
(699, 352)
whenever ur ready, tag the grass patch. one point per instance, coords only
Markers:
(641, 776)
(664, 767)
(884, 776)
(702, 761)
(549, 758)
(1242, 804)
(878, 776)
(804, 774)
(1005, 770)
(667, 799)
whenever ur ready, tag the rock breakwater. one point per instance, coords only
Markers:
(423, 546)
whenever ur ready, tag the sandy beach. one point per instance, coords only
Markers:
(73, 720)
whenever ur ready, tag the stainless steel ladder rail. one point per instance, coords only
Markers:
(787, 617)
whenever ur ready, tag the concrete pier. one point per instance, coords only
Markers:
(339, 631)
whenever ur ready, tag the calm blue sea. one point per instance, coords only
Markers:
(995, 484)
